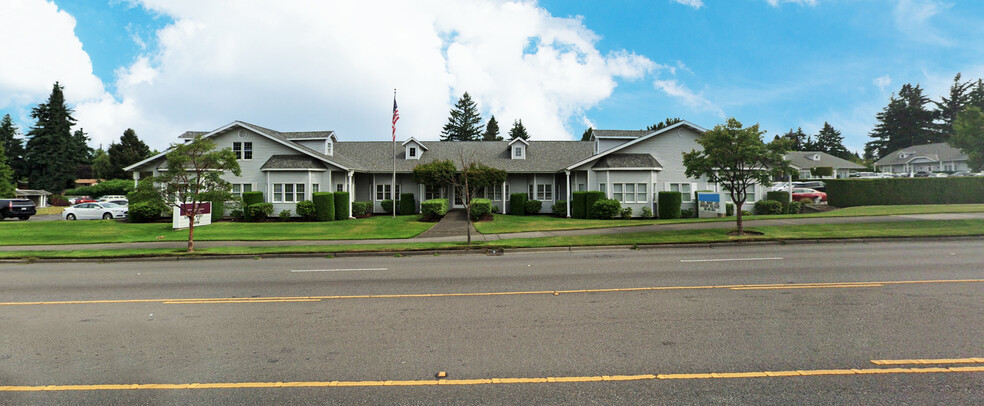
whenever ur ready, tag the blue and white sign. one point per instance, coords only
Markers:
(710, 205)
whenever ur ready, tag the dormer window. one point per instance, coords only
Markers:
(518, 151)
(518, 148)
(329, 147)
(414, 148)
(413, 152)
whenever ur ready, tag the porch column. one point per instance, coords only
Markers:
(420, 197)
(568, 192)
(308, 191)
(608, 184)
(136, 178)
(505, 209)
(348, 188)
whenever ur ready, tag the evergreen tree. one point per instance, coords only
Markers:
(82, 154)
(518, 130)
(949, 107)
(797, 139)
(666, 123)
(7, 184)
(492, 131)
(587, 134)
(976, 95)
(13, 146)
(464, 124)
(51, 161)
(129, 151)
(101, 167)
(903, 123)
(830, 141)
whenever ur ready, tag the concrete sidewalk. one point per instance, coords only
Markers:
(451, 236)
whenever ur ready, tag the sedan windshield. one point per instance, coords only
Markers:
(110, 205)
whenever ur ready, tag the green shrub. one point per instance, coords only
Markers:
(144, 212)
(324, 206)
(59, 201)
(532, 207)
(626, 213)
(746, 213)
(894, 191)
(589, 200)
(408, 204)
(388, 206)
(341, 205)
(606, 209)
(805, 201)
(249, 199)
(144, 193)
(236, 214)
(687, 213)
(307, 210)
(647, 212)
(668, 204)
(284, 215)
(768, 207)
(495, 209)
(821, 171)
(361, 209)
(780, 196)
(795, 208)
(517, 203)
(109, 187)
(579, 206)
(480, 208)
(559, 208)
(434, 208)
(218, 210)
(729, 209)
(259, 211)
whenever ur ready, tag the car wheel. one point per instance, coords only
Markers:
(24, 217)
(107, 216)
(70, 216)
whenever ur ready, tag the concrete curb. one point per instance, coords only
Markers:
(484, 250)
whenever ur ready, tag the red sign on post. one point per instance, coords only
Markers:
(203, 208)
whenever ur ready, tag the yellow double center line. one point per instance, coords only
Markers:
(284, 299)
(506, 381)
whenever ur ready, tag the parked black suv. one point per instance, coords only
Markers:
(20, 208)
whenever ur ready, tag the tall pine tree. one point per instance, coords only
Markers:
(949, 107)
(7, 184)
(51, 160)
(903, 123)
(464, 124)
(129, 151)
(518, 130)
(13, 146)
(492, 131)
(665, 123)
(586, 136)
(830, 141)
(101, 168)
(797, 140)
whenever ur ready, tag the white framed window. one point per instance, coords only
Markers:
(237, 148)
(685, 190)
(603, 188)
(544, 192)
(239, 188)
(339, 187)
(750, 193)
(278, 192)
(529, 192)
(495, 192)
(432, 192)
(413, 152)
(383, 192)
(518, 151)
(508, 194)
(328, 147)
(288, 192)
(247, 151)
(641, 195)
(617, 192)
(315, 188)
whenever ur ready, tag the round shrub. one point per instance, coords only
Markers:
(687, 213)
(284, 215)
(647, 212)
(532, 206)
(606, 209)
(795, 208)
(627, 213)
(259, 211)
(434, 208)
(768, 207)
(559, 208)
(306, 210)
(144, 212)
(361, 209)
(480, 208)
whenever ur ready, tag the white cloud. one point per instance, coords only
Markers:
(298, 65)
(883, 82)
(40, 47)
(775, 3)
(690, 98)
(912, 17)
(691, 3)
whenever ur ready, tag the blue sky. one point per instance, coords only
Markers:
(163, 67)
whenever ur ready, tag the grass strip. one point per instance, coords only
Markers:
(922, 228)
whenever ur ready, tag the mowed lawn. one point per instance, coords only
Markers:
(109, 231)
(504, 223)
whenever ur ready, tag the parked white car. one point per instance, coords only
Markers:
(111, 197)
(95, 211)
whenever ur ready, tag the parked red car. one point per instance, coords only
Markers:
(84, 199)
(816, 196)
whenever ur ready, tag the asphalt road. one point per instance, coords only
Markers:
(647, 314)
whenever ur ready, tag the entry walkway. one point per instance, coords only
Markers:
(459, 236)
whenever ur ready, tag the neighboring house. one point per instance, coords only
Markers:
(88, 182)
(938, 157)
(630, 166)
(39, 197)
(803, 161)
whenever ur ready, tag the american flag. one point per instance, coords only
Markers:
(396, 116)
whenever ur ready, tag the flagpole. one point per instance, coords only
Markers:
(393, 187)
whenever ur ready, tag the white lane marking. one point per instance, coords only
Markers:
(339, 270)
(733, 259)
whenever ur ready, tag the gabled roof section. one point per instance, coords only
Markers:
(414, 140)
(802, 160)
(542, 156)
(938, 152)
(650, 134)
(620, 134)
(299, 162)
(626, 161)
(520, 139)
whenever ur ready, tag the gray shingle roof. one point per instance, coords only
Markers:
(292, 162)
(308, 134)
(620, 133)
(541, 156)
(940, 151)
(192, 134)
(627, 161)
(801, 159)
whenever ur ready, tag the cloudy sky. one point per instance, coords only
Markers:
(163, 67)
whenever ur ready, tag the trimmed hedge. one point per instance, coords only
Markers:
(579, 208)
(324, 206)
(589, 200)
(780, 196)
(434, 208)
(218, 209)
(517, 203)
(768, 207)
(559, 208)
(822, 171)
(795, 207)
(306, 210)
(606, 209)
(480, 208)
(258, 211)
(144, 212)
(408, 203)
(668, 204)
(896, 191)
(533, 207)
(109, 187)
(249, 199)
(729, 209)
(361, 209)
(341, 205)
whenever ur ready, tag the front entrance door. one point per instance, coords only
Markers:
(459, 201)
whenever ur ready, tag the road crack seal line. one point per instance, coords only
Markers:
(496, 381)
